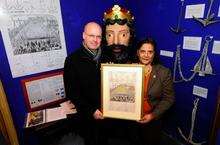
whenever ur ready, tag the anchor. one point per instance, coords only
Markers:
(177, 55)
(203, 66)
(178, 30)
(177, 65)
(209, 17)
(189, 139)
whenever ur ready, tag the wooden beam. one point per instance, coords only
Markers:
(11, 135)
(216, 122)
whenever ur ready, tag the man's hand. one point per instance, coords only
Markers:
(147, 118)
(98, 114)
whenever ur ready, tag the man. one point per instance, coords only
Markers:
(119, 35)
(82, 80)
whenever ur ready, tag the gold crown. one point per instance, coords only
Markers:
(118, 13)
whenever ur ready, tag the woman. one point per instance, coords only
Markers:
(159, 93)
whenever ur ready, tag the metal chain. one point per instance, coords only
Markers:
(201, 64)
(178, 63)
(189, 139)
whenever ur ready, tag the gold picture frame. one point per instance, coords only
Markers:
(122, 88)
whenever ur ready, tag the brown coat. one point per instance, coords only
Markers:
(160, 90)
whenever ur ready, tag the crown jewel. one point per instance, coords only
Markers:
(117, 12)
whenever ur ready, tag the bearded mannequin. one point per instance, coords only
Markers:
(118, 35)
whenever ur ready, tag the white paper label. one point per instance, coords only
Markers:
(166, 53)
(195, 10)
(192, 43)
(216, 47)
(219, 11)
(200, 91)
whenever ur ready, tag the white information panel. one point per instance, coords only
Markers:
(192, 43)
(200, 91)
(195, 10)
(166, 53)
(33, 35)
(216, 47)
(219, 11)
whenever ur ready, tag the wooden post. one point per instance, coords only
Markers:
(216, 122)
(7, 125)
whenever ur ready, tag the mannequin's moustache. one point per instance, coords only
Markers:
(117, 48)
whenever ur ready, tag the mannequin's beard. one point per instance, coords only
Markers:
(118, 53)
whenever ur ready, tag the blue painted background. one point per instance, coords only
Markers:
(153, 18)
(75, 15)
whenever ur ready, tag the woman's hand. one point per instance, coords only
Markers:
(98, 114)
(146, 118)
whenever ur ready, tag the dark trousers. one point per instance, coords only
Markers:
(98, 132)
(119, 130)
(93, 132)
(150, 133)
(132, 131)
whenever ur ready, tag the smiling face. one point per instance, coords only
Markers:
(146, 54)
(92, 36)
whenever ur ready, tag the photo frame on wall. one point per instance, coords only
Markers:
(43, 91)
(122, 88)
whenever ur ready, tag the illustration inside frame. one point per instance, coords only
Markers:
(122, 91)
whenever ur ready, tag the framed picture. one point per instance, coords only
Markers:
(122, 90)
(35, 118)
(43, 91)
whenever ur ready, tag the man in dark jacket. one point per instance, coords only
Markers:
(82, 80)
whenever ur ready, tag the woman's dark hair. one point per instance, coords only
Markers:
(151, 41)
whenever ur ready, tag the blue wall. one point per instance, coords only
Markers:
(153, 18)
(75, 15)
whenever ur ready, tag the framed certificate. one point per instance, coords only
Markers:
(43, 91)
(122, 90)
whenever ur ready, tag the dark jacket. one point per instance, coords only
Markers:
(82, 82)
